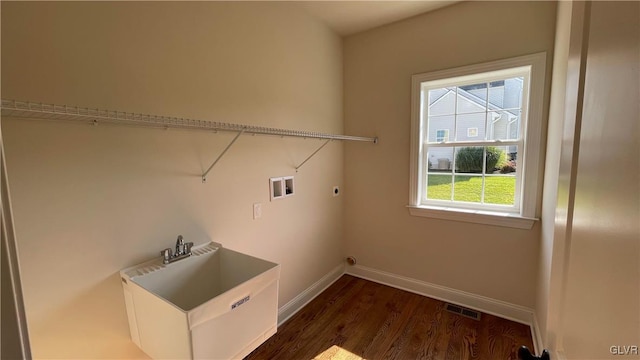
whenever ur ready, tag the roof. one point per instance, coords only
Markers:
(475, 99)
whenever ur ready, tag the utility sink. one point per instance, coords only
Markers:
(215, 304)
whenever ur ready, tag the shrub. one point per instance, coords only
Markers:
(508, 167)
(469, 159)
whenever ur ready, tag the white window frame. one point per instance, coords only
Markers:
(521, 216)
(469, 132)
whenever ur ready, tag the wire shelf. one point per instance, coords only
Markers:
(25, 109)
(41, 111)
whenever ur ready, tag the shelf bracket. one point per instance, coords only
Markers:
(313, 154)
(204, 176)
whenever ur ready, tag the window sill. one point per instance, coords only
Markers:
(473, 216)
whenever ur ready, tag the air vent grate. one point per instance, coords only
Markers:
(472, 314)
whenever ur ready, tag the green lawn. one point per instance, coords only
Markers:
(498, 189)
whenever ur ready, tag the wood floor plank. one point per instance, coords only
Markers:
(353, 324)
(363, 334)
(358, 319)
(402, 313)
(310, 321)
(412, 340)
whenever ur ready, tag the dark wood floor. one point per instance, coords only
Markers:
(355, 319)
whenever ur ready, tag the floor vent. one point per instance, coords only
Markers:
(472, 314)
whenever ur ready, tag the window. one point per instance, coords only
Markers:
(476, 142)
(442, 135)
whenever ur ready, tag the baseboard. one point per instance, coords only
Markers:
(294, 305)
(484, 304)
(536, 335)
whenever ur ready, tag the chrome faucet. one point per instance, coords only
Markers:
(182, 251)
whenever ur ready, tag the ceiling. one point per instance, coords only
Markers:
(350, 17)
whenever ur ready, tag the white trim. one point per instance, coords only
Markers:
(536, 335)
(503, 219)
(484, 304)
(416, 153)
(475, 143)
(533, 134)
(294, 305)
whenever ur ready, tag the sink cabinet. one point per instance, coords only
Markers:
(215, 304)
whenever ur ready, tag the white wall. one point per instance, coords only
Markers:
(89, 201)
(495, 262)
(602, 307)
(589, 280)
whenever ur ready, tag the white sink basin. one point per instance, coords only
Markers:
(215, 304)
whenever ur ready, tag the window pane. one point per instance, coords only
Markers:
(440, 159)
(442, 101)
(503, 125)
(507, 163)
(472, 98)
(467, 188)
(500, 189)
(513, 130)
(438, 187)
(440, 128)
(464, 122)
(497, 156)
(469, 159)
(506, 94)
(496, 95)
(512, 157)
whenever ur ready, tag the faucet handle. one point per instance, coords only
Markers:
(187, 247)
(166, 255)
(180, 240)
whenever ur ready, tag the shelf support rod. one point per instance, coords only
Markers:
(313, 154)
(204, 176)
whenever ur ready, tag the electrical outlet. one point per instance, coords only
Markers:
(257, 211)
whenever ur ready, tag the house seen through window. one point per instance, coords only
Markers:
(470, 137)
